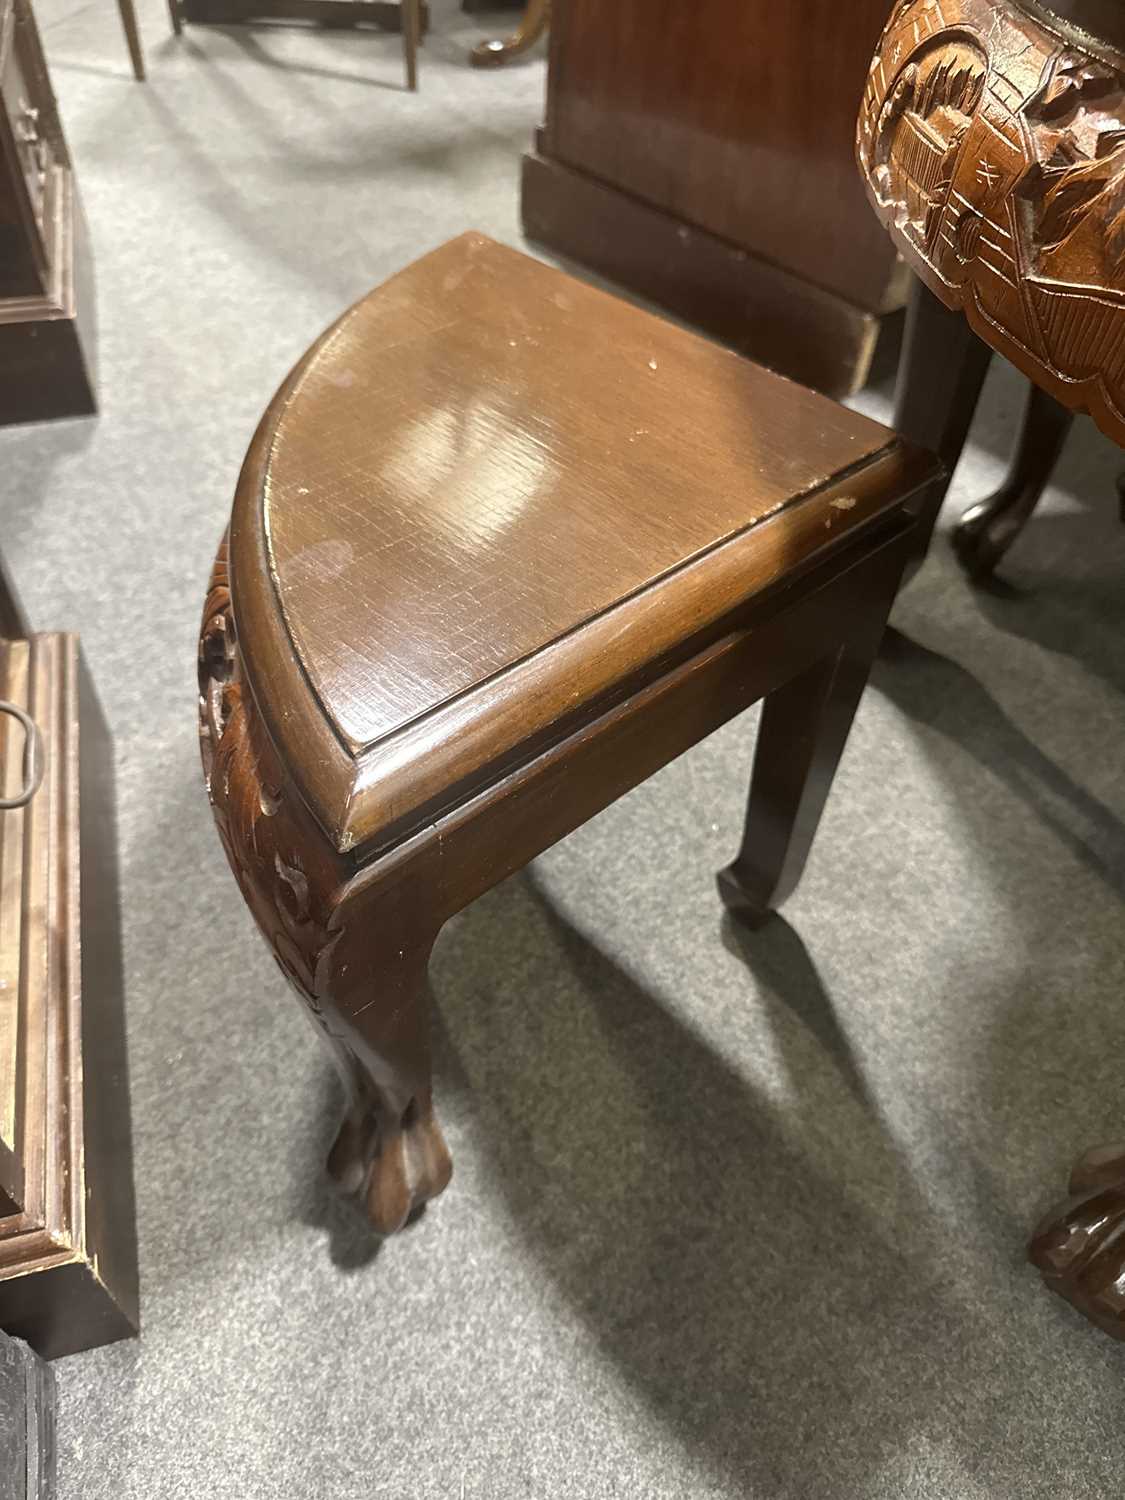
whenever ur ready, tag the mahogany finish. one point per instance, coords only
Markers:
(992, 143)
(1077, 1246)
(502, 547)
(701, 115)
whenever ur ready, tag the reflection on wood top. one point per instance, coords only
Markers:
(478, 460)
(484, 453)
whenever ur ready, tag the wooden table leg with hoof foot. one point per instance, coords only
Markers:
(478, 585)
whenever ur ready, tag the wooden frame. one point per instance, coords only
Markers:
(68, 1267)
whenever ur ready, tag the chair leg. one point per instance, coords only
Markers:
(132, 38)
(411, 30)
(940, 377)
(987, 529)
(355, 946)
(801, 737)
(533, 24)
(1079, 1247)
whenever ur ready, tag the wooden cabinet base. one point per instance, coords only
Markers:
(750, 303)
(68, 1263)
(47, 339)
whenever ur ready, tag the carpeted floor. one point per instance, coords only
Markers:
(730, 1217)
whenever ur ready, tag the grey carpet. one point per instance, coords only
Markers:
(730, 1217)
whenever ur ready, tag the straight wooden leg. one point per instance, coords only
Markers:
(940, 377)
(532, 25)
(175, 18)
(411, 30)
(132, 37)
(802, 734)
(987, 529)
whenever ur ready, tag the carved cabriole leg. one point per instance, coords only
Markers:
(1080, 1245)
(355, 946)
(533, 24)
(987, 529)
(802, 734)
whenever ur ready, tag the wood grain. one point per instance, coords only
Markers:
(437, 521)
(735, 116)
(992, 142)
(753, 305)
(501, 548)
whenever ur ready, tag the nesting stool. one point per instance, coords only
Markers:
(502, 547)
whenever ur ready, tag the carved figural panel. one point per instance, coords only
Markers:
(993, 148)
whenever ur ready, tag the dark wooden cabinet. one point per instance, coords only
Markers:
(46, 295)
(703, 155)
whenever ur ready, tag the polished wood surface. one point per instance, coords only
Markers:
(452, 542)
(704, 117)
(737, 116)
(533, 23)
(462, 485)
(940, 377)
(1077, 1246)
(993, 150)
(754, 306)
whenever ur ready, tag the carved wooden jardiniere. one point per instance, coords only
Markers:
(992, 141)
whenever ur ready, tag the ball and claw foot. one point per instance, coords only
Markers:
(392, 1167)
(1079, 1246)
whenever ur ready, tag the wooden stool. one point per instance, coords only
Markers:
(992, 144)
(502, 547)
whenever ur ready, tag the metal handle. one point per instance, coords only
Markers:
(32, 756)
